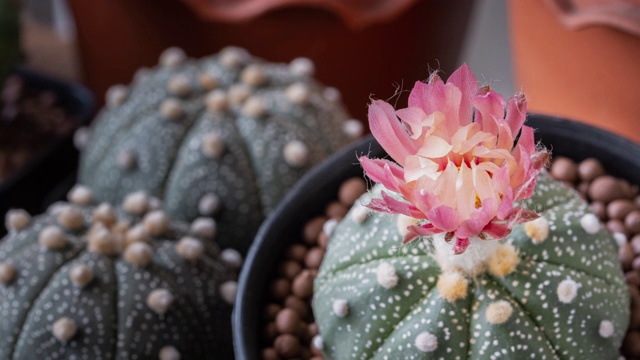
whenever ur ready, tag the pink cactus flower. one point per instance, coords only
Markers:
(457, 167)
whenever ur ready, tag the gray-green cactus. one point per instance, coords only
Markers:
(9, 36)
(94, 282)
(553, 289)
(224, 136)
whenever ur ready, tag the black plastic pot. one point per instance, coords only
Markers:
(28, 186)
(311, 194)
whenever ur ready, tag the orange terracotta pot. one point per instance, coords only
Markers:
(591, 73)
(118, 36)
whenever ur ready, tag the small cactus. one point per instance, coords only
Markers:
(223, 137)
(89, 281)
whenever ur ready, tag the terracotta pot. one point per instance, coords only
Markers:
(590, 73)
(312, 193)
(118, 36)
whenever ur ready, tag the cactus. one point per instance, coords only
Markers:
(86, 281)
(224, 136)
(471, 262)
(9, 36)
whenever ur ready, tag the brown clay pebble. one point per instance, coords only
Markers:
(296, 252)
(632, 277)
(280, 289)
(287, 346)
(289, 269)
(637, 200)
(314, 258)
(312, 330)
(298, 305)
(631, 344)
(605, 188)
(312, 228)
(635, 294)
(317, 358)
(351, 190)
(583, 189)
(270, 331)
(564, 169)
(271, 310)
(336, 210)
(590, 169)
(288, 321)
(616, 226)
(270, 354)
(600, 209)
(635, 244)
(618, 209)
(632, 221)
(625, 254)
(628, 191)
(634, 323)
(323, 240)
(635, 264)
(303, 284)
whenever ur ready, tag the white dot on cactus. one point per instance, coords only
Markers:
(498, 312)
(452, 286)
(537, 230)
(52, 238)
(403, 222)
(209, 205)
(359, 213)
(116, 95)
(296, 153)
(81, 275)
(386, 275)
(64, 329)
(254, 75)
(81, 137)
(317, 342)
(606, 329)
(179, 85)
(216, 101)
(155, 203)
(208, 81)
(426, 342)
(340, 308)
(298, 93)
(332, 94)
(232, 57)
(228, 291)
(138, 254)
(7, 273)
(254, 107)
(136, 203)
(126, 160)
(620, 238)
(80, 195)
(101, 241)
(171, 109)
(329, 226)
(189, 248)
(204, 228)
(169, 353)
(160, 300)
(302, 67)
(590, 223)
(567, 291)
(155, 222)
(238, 94)
(232, 258)
(353, 128)
(71, 217)
(213, 144)
(172, 57)
(17, 219)
(136, 234)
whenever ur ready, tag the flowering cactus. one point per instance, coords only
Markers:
(549, 288)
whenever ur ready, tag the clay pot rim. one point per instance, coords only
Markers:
(569, 138)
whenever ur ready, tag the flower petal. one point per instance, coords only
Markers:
(417, 167)
(444, 218)
(461, 245)
(389, 132)
(434, 147)
(516, 112)
(416, 118)
(466, 81)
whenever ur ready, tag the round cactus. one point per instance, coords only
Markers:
(224, 136)
(86, 281)
(554, 290)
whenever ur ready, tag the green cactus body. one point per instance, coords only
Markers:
(555, 295)
(92, 282)
(226, 129)
(9, 36)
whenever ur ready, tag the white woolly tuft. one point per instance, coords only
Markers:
(302, 67)
(228, 291)
(469, 261)
(317, 342)
(426, 342)
(606, 329)
(359, 213)
(329, 226)
(296, 153)
(353, 128)
(386, 275)
(567, 291)
(590, 223)
(340, 308)
(620, 238)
